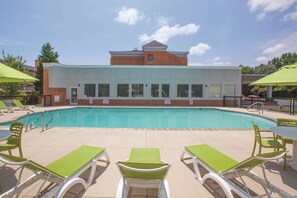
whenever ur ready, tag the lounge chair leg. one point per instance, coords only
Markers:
(196, 168)
(9, 151)
(221, 182)
(63, 189)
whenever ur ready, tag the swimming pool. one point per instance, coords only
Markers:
(150, 118)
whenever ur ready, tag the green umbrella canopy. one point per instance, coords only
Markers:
(8, 74)
(285, 76)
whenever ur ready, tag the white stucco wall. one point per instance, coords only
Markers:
(67, 76)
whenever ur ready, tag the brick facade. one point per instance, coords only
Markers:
(61, 92)
(159, 58)
(126, 60)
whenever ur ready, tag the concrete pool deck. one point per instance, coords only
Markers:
(45, 147)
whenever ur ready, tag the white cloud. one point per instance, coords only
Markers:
(199, 49)
(291, 16)
(265, 6)
(274, 49)
(261, 59)
(269, 5)
(129, 16)
(286, 45)
(164, 33)
(162, 20)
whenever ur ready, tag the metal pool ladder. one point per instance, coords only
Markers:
(259, 109)
(46, 125)
(27, 119)
(41, 115)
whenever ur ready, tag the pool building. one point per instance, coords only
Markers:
(151, 76)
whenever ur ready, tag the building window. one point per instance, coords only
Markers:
(103, 90)
(123, 90)
(90, 90)
(137, 90)
(182, 91)
(229, 90)
(155, 90)
(165, 90)
(150, 57)
(197, 91)
(216, 91)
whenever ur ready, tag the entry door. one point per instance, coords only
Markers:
(73, 96)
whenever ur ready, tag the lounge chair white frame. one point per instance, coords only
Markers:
(126, 183)
(224, 179)
(63, 184)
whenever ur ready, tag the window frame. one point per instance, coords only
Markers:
(119, 84)
(133, 92)
(192, 90)
(107, 91)
(179, 93)
(87, 90)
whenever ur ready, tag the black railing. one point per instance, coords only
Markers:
(277, 104)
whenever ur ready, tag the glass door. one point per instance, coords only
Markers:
(73, 96)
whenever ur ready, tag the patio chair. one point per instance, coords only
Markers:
(20, 105)
(144, 169)
(63, 172)
(267, 142)
(4, 108)
(288, 123)
(224, 170)
(15, 140)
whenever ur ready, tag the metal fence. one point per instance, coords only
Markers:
(288, 105)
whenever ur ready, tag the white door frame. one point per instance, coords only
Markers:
(73, 102)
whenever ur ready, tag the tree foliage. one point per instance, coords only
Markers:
(246, 69)
(47, 55)
(12, 89)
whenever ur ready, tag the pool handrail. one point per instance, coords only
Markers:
(260, 110)
(52, 118)
(27, 119)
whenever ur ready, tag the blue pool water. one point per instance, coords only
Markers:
(150, 118)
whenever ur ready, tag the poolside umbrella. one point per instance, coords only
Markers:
(8, 74)
(285, 76)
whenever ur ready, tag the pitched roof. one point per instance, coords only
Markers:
(154, 45)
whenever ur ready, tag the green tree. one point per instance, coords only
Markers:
(47, 55)
(12, 89)
(246, 69)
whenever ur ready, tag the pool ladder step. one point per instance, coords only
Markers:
(40, 115)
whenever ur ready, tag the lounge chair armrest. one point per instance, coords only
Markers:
(143, 170)
(271, 156)
(13, 163)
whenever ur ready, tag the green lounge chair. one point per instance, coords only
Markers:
(224, 169)
(20, 105)
(15, 140)
(144, 169)
(64, 172)
(4, 108)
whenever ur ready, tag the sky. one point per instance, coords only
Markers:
(214, 32)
